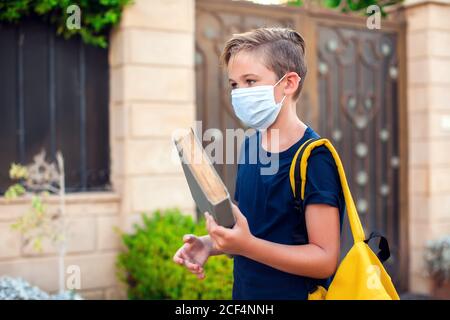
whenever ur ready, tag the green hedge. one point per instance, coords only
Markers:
(149, 272)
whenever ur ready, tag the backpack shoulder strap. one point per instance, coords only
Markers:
(297, 176)
(294, 171)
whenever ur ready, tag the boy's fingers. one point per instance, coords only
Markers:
(214, 243)
(178, 260)
(195, 269)
(212, 222)
(191, 266)
(219, 231)
(240, 218)
(188, 238)
(237, 213)
(177, 257)
(208, 225)
(183, 255)
(181, 258)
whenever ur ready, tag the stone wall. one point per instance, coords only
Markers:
(152, 94)
(428, 85)
(152, 87)
(93, 245)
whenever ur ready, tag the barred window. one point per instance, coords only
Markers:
(54, 95)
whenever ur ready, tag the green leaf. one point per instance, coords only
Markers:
(295, 3)
(97, 18)
(332, 3)
(14, 191)
(18, 171)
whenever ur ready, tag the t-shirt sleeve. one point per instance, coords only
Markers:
(322, 179)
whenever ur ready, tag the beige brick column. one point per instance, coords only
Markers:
(152, 94)
(428, 84)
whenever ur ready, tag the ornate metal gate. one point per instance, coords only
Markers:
(353, 95)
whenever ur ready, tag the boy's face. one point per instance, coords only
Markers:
(247, 69)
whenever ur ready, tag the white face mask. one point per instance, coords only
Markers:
(256, 106)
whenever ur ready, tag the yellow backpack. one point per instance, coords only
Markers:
(360, 275)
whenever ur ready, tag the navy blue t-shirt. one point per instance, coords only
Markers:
(267, 201)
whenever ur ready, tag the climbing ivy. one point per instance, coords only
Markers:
(351, 5)
(96, 17)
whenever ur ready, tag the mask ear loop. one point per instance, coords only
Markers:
(281, 79)
(282, 100)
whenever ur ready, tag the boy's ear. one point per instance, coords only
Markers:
(292, 83)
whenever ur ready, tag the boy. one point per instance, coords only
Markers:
(279, 252)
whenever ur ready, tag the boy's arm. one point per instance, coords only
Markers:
(317, 259)
(207, 241)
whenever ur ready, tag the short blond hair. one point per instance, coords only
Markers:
(283, 50)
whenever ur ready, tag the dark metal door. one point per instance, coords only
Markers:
(54, 95)
(358, 76)
(353, 95)
(215, 23)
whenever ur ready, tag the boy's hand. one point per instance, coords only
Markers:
(231, 241)
(193, 254)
